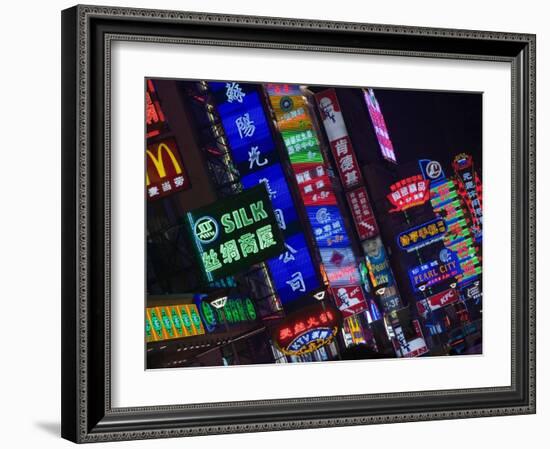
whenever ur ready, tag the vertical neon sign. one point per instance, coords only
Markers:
(447, 203)
(294, 122)
(380, 127)
(254, 153)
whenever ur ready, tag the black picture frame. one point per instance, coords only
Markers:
(87, 33)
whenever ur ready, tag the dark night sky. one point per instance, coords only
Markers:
(433, 125)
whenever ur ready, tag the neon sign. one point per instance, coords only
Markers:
(363, 217)
(340, 266)
(165, 173)
(235, 310)
(293, 270)
(435, 271)
(350, 299)
(154, 117)
(340, 143)
(447, 203)
(380, 127)
(308, 330)
(235, 233)
(272, 178)
(422, 235)
(431, 170)
(328, 226)
(377, 263)
(253, 150)
(314, 184)
(442, 299)
(409, 192)
(170, 322)
(470, 189)
(317, 192)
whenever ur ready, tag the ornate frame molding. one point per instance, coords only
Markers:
(87, 419)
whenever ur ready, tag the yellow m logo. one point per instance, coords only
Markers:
(158, 161)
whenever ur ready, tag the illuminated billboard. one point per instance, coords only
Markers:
(449, 204)
(170, 322)
(340, 266)
(253, 150)
(235, 310)
(422, 235)
(154, 116)
(435, 271)
(314, 184)
(431, 170)
(165, 173)
(470, 189)
(350, 299)
(377, 263)
(379, 124)
(235, 232)
(273, 179)
(410, 192)
(363, 216)
(327, 224)
(307, 330)
(340, 143)
(316, 189)
(293, 270)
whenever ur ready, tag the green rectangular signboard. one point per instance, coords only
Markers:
(235, 232)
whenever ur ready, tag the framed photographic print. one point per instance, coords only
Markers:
(285, 223)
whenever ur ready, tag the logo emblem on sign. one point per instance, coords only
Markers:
(433, 169)
(323, 216)
(206, 229)
(286, 104)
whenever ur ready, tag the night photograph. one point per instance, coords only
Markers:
(304, 223)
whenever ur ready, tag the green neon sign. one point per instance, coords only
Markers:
(234, 233)
(302, 146)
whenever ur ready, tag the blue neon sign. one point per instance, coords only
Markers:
(292, 271)
(328, 226)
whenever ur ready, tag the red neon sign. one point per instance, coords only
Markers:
(361, 210)
(469, 188)
(154, 117)
(308, 329)
(165, 172)
(409, 192)
(350, 299)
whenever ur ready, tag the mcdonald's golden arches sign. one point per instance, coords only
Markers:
(165, 171)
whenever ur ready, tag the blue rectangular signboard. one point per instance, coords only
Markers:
(292, 271)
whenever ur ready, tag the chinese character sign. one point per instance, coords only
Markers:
(409, 192)
(340, 266)
(253, 150)
(328, 226)
(307, 330)
(340, 143)
(165, 172)
(435, 271)
(470, 190)
(314, 184)
(292, 271)
(235, 310)
(235, 233)
(422, 235)
(363, 217)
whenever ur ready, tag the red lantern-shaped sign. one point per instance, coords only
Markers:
(308, 329)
